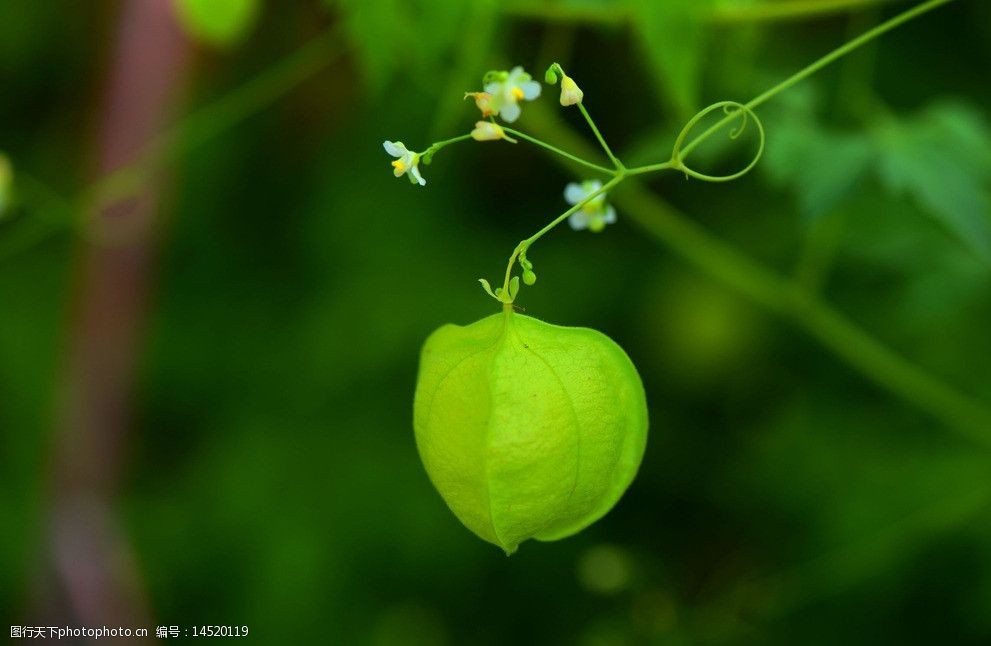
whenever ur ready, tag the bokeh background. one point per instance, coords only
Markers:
(213, 293)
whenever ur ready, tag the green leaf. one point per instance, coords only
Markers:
(222, 23)
(488, 288)
(941, 158)
(528, 430)
(379, 30)
(410, 37)
(823, 166)
(671, 33)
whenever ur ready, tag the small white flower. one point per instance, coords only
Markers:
(511, 87)
(407, 162)
(570, 92)
(595, 214)
(488, 131)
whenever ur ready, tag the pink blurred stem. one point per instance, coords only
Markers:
(96, 580)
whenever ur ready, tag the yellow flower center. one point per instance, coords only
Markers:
(399, 165)
(517, 93)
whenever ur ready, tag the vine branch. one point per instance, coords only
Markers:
(786, 297)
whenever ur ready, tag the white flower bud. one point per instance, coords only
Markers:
(570, 92)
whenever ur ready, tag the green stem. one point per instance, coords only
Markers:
(263, 90)
(558, 151)
(844, 338)
(833, 330)
(591, 124)
(845, 49)
(48, 211)
(650, 168)
(619, 13)
(525, 244)
(437, 145)
(199, 127)
(766, 11)
(821, 245)
(885, 366)
(784, 296)
(223, 114)
(839, 52)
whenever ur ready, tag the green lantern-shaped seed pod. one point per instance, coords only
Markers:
(528, 430)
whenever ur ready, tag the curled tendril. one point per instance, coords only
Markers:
(736, 132)
(731, 108)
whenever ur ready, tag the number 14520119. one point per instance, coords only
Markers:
(220, 631)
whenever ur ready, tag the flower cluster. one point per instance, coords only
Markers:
(502, 94)
(501, 97)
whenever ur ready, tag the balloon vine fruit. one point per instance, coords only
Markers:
(528, 430)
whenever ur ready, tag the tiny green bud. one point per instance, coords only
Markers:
(529, 277)
(493, 76)
(550, 76)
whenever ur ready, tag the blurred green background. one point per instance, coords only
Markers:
(264, 472)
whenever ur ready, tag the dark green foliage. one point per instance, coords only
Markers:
(271, 477)
(939, 157)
